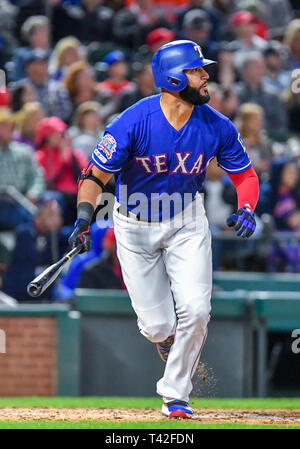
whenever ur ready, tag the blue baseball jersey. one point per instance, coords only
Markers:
(151, 159)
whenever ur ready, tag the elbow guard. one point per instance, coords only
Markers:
(88, 174)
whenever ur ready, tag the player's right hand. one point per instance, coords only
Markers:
(243, 221)
(81, 235)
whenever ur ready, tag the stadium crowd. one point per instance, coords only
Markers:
(69, 67)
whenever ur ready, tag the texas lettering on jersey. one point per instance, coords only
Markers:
(158, 163)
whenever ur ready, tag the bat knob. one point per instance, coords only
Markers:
(34, 289)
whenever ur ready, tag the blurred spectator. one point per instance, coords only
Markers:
(61, 163)
(117, 73)
(243, 23)
(217, 208)
(295, 5)
(278, 16)
(104, 272)
(275, 76)
(33, 250)
(26, 123)
(270, 191)
(7, 41)
(80, 84)
(115, 84)
(220, 201)
(87, 128)
(197, 27)
(144, 86)
(223, 100)
(250, 123)
(155, 39)
(202, 5)
(230, 103)
(159, 37)
(227, 74)
(164, 3)
(216, 96)
(131, 25)
(170, 8)
(167, 10)
(65, 53)
(148, 15)
(224, 9)
(114, 5)
(95, 22)
(7, 15)
(127, 30)
(88, 21)
(292, 99)
(281, 197)
(286, 210)
(49, 93)
(252, 90)
(258, 10)
(18, 170)
(27, 9)
(21, 93)
(292, 40)
(35, 32)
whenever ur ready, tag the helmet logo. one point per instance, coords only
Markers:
(198, 49)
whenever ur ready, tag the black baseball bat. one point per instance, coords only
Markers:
(47, 277)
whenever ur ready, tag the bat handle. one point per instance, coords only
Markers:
(74, 251)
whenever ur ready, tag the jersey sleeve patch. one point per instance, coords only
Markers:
(108, 145)
(112, 150)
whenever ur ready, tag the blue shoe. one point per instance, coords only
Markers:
(177, 409)
(163, 348)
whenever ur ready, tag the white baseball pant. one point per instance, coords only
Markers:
(167, 269)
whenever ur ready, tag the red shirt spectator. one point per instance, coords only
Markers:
(61, 163)
(245, 18)
(5, 99)
(117, 70)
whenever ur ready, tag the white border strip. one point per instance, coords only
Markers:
(104, 168)
(237, 169)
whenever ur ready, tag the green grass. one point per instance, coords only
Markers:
(153, 403)
(128, 402)
(131, 425)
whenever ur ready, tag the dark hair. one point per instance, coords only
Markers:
(17, 92)
(138, 67)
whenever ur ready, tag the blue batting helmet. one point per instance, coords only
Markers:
(170, 61)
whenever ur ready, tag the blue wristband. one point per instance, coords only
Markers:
(81, 218)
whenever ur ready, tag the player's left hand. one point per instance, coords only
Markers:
(81, 235)
(243, 221)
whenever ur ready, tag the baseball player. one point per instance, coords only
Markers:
(158, 149)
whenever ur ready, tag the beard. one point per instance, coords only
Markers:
(193, 96)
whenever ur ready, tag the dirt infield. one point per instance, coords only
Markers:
(279, 417)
